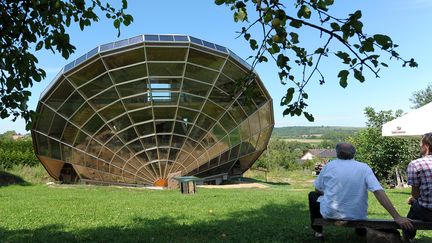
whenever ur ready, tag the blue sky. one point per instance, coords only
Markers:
(406, 21)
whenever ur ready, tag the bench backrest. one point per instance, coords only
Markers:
(372, 223)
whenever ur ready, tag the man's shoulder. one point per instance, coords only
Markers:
(423, 160)
(352, 164)
(361, 164)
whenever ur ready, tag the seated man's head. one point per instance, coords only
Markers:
(345, 151)
(426, 147)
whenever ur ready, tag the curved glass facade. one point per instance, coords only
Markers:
(145, 109)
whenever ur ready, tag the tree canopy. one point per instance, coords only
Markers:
(422, 97)
(29, 26)
(282, 154)
(383, 154)
(279, 24)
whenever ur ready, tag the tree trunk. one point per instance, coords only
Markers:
(400, 183)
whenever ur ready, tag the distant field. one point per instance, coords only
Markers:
(317, 131)
(302, 140)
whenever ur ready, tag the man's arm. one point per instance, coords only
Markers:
(415, 194)
(414, 181)
(381, 196)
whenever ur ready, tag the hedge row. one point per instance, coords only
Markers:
(17, 153)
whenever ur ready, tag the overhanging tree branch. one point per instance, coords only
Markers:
(282, 43)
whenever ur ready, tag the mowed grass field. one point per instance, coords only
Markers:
(81, 213)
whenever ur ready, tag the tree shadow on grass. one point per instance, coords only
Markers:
(48, 233)
(7, 179)
(270, 223)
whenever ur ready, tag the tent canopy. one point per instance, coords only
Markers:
(414, 123)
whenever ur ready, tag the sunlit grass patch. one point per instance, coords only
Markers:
(83, 213)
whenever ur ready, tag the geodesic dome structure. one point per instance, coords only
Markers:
(147, 108)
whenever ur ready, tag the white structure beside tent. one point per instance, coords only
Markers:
(415, 123)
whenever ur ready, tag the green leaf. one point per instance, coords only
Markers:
(282, 74)
(356, 15)
(127, 19)
(384, 41)
(344, 56)
(358, 75)
(39, 45)
(220, 2)
(267, 17)
(319, 50)
(308, 116)
(81, 24)
(240, 4)
(282, 60)
(271, 50)
(367, 45)
(286, 111)
(294, 37)
(412, 63)
(295, 23)
(262, 59)
(242, 16)
(304, 11)
(346, 31)
(289, 96)
(253, 44)
(37, 77)
(117, 23)
(326, 19)
(343, 75)
(307, 12)
(247, 36)
(4, 114)
(335, 26)
(358, 26)
(276, 48)
(322, 5)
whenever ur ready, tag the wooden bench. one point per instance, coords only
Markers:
(371, 223)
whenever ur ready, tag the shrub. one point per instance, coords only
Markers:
(17, 153)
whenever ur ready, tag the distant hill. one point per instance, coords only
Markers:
(324, 132)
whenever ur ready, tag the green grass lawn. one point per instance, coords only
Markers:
(41, 213)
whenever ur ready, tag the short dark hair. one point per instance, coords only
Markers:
(345, 151)
(427, 140)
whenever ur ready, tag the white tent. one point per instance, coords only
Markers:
(414, 123)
